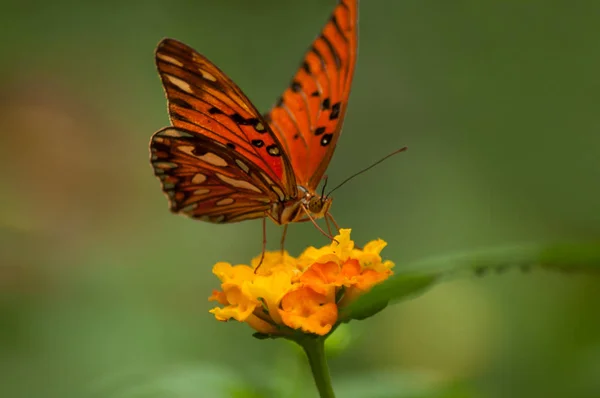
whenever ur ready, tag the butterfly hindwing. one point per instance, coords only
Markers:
(202, 99)
(308, 117)
(205, 179)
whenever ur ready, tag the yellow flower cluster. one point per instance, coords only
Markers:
(303, 293)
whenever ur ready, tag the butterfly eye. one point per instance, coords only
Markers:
(315, 204)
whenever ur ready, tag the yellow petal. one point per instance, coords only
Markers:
(271, 290)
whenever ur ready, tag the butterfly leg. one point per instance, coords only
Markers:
(264, 244)
(285, 227)
(328, 225)
(330, 217)
(317, 225)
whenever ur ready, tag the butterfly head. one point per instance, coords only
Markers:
(318, 205)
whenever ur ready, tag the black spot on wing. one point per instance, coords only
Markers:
(320, 56)
(335, 111)
(178, 116)
(160, 147)
(199, 150)
(326, 139)
(181, 103)
(306, 67)
(296, 86)
(242, 121)
(334, 53)
(337, 27)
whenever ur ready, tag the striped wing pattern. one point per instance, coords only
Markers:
(213, 119)
(308, 117)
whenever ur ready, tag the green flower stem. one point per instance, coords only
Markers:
(314, 347)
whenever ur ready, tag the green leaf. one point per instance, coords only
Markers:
(566, 257)
(417, 277)
(572, 257)
(398, 287)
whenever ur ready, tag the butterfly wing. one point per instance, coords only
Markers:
(308, 117)
(220, 160)
(207, 180)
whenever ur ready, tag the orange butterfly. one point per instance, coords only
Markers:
(222, 162)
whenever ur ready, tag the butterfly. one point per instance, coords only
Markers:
(221, 161)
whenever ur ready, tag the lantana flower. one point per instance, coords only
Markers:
(289, 294)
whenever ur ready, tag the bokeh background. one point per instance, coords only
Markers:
(103, 291)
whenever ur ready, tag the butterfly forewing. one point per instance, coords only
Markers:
(308, 117)
(204, 100)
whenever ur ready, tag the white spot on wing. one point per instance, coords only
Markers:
(208, 157)
(201, 191)
(169, 59)
(278, 191)
(215, 219)
(174, 133)
(165, 165)
(183, 86)
(198, 178)
(225, 202)
(266, 177)
(189, 208)
(238, 183)
(273, 150)
(242, 165)
(213, 159)
(207, 75)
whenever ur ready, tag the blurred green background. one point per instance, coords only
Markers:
(103, 291)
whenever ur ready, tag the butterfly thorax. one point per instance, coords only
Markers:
(298, 209)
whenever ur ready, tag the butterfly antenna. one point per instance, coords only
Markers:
(323, 189)
(397, 151)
